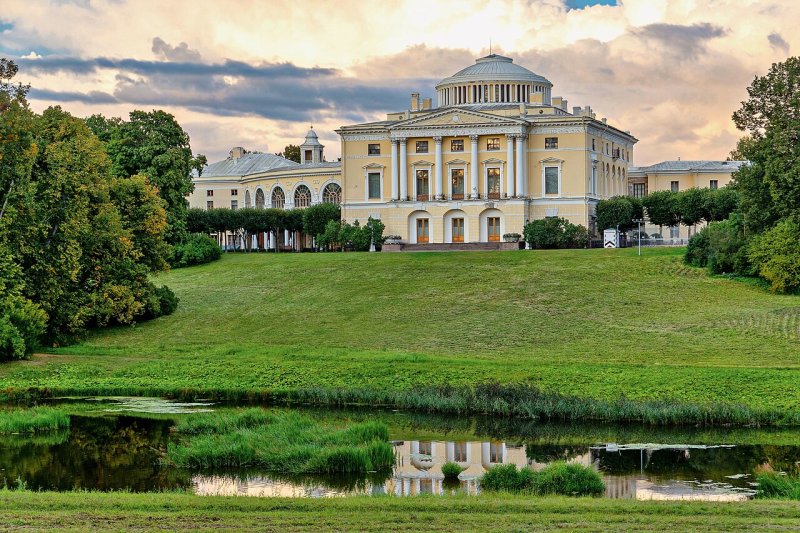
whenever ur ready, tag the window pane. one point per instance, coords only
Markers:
(493, 182)
(457, 181)
(551, 180)
(457, 145)
(551, 143)
(374, 185)
(422, 147)
(374, 149)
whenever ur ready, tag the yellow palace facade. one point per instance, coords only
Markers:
(496, 151)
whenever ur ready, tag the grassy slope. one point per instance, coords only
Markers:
(120, 511)
(596, 323)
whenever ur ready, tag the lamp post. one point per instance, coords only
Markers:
(639, 232)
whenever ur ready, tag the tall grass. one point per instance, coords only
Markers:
(281, 442)
(33, 420)
(567, 479)
(772, 485)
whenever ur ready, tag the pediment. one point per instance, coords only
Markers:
(457, 162)
(374, 165)
(493, 160)
(551, 160)
(454, 117)
(421, 163)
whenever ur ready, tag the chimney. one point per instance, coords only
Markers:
(563, 105)
(577, 111)
(414, 101)
(426, 104)
(605, 120)
(236, 152)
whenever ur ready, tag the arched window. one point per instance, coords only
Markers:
(278, 198)
(302, 196)
(332, 194)
(259, 199)
(247, 199)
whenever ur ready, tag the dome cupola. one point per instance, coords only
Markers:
(494, 79)
(311, 149)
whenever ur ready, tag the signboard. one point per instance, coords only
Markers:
(610, 238)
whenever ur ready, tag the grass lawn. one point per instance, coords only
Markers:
(91, 511)
(597, 324)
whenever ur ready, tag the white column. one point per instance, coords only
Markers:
(403, 171)
(395, 176)
(473, 171)
(510, 166)
(520, 165)
(437, 141)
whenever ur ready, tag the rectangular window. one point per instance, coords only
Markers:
(496, 452)
(674, 232)
(458, 230)
(422, 147)
(234, 204)
(210, 204)
(493, 183)
(638, 190)
(593, 145)
(493, 144)
(551, 180)
(713, 184)
(309, 158)
(457, 145)
(550, 143)
(460, 452)
(493, 229)
(674, 186)
(423, 185)
(374, 179)
(457, 183)
(425, 448)
(374, 149)
(209, 193)
(234, 192)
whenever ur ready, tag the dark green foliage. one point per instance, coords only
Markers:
(776, 485)
(281, 442)
(451, 470)
(721, 247)
(775, 255)
(197, 221)
(167, 301)
(618, 213)
(291, 152)
(721, 203)
(22, 322)
(692, 204)
(662, 208)
(196, 250)
(555, 232)
(33, 420)
(317, 217)
(566, 479)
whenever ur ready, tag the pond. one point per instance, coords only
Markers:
(119, 444)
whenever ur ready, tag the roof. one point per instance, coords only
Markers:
(494, 67)
(691, 166)
(246, 164)
(311, 139)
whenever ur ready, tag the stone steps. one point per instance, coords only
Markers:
(452, 247)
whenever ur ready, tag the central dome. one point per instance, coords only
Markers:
(493, 79)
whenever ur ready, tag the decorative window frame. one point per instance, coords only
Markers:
(372, 168)
(457, 164)
(313, 196)
(552, 162)
(493, 162)
(421, 165)
(272, 190)
(267, 199)
(325, 184)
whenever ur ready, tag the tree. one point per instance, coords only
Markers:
(316, 218)
(153, 144)
(618, 212)
(720, 203)
(291, 152)
(555, 232)
(662, 209)
(773, 101)
(692, 205)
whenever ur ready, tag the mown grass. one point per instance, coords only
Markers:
(33, 420)
(280, 442)
(565, 479)
(92, 511)
(775, 485)
(596, 325)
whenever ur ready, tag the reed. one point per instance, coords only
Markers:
(281, 442)
(33, 420)
(566, 479)
(780, 486)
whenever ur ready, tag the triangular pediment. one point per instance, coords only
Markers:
(454, 117)
(551, 160)
(374, 165)
(457, 162)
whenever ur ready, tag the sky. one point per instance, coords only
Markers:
(258, 73)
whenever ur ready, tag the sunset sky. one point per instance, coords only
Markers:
(257, 74)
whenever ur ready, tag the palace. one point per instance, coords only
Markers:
(497, 151)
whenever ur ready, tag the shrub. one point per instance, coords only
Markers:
(196, 250)
(451, 470)
(720, 247)
(22, 322)
(566, 479)
(167, 300)
(775, 256)
(618, 212)
(555, 232)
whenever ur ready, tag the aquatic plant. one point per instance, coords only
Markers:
(566, 479)
(33, 420)
(451, 470)
(281, 442)
(776, 485)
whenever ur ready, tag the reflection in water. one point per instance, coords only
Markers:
(125, 453)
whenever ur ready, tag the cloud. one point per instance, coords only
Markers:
(92, 97)
(681, 42)
(778, 42)
(180, 53)
(32, 55)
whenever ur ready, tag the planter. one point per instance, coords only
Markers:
(387, 247)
